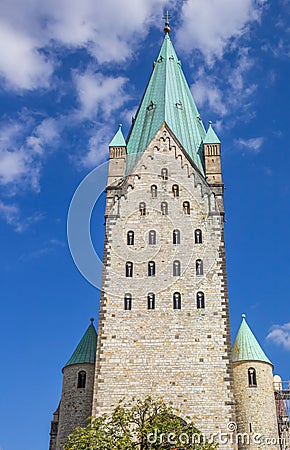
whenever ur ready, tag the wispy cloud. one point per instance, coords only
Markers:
(253, 144)
(11, 214)
(280, 335)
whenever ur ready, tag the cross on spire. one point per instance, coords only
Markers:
(166, 17)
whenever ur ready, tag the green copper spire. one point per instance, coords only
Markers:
(118, 140)
(211, 137)
(246, 346)
(167, 99)
(86, 350)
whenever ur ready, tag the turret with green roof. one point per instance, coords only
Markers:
(246, 347)
(86, 349)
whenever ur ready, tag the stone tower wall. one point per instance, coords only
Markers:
(182, 356)
(76, 403)
(256, 410)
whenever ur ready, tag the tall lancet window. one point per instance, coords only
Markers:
(198, 236)
(164, 174)
(130, 237)
(176, 268)
(151, 301)
(129, 269)
(151, 269)
(127, 302)
(252, 377)
(200, 300)
(154, 191)
(186, 208)
(176, 236)
(199, 267)
(176, 300)
(152, 237)
(175, 190)
(164, 208)
(82, 375)
(142, 208)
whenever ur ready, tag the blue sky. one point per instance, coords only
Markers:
(70, 71)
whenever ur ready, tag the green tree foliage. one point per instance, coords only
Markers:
(139, 425)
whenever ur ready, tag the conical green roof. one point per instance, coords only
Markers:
(246, 347)
(211, 137)
(168, 99)
(118, 140)
(86, 350)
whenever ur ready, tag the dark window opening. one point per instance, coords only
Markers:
(142, 208)
(176, 237)
(252, 378)
(129, 269)
(200, 304)
(152, 237)
(82, 375)
(128, 302)
(175, 190)
(198, 236)
(151, 301)
(164, 208)
(164, 174)
(130, 238)
(176, 268)
(151, 269)
(186, 207)
(199, 267)
(154, 191)
(176, 300)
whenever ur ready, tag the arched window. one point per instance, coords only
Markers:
(129, 269)
(176, 268)
(176, 300)
(151, 269)
(176, 236)
(142, 208)
(164, 208)
(151, 301)
(200, 300)
(153, 191)
(186, 207)
(152, 237)
(127, 302)
(175, 190)
(199, 267)
(252, 378)
(198, 236)
(164, 174)
(130, 237)
(82, 375)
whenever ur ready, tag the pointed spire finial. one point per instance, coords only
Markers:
(120, 126)
(92, 320)
(167, 16)
(243, 316)
(210, 122)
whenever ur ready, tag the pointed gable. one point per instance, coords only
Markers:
(246, 347)
(168, 99)
(86, 349)
(118, 140)
(211, 137)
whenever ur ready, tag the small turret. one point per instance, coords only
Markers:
(77, 390)
(253, 390)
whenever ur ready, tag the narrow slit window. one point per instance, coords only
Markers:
(176, 300)
(127, 302)
(175, 190)
(186, 208)
(164, 208)
(154, 191)
(176, 268)
(252, 377)
(176, 237)
(142, 208)
(199, 267)
(164, 174)
(151, 301)
(152, 237)
(130, 237)
(129, 269)
(200, 304)
(151, 269)
(198, 236)
(82, 375)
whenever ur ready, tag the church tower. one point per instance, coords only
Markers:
(77, 390)
(254, 393)
(164, 320)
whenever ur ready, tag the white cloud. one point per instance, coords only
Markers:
(98, 150)
(252, 144)
(204, 92)
(211, 26)
(280, 335)
(97, 92)
(11, 214)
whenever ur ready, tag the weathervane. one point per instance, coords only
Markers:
(167, 16)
